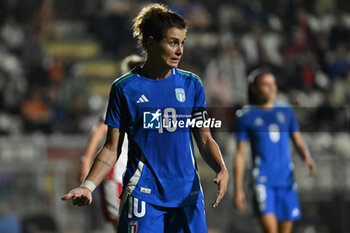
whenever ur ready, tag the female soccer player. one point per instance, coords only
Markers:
(153, 104)
(269, 126)
(111, 186)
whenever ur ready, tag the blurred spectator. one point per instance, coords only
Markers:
(10, 8)
(198, 17)
(12, 83)
(231, 18)
(252, 47)
(321, 50)
(73, 98)
(13, 35)
(36, 113)
(256, 12)
(11, 92)
(301, 36)
(339, 63)
(10, 224)
(56, 70)
(324, 6)
(289, 11)
(41, 223)
(325, 118)
(59, 113)
(310, 67)
(340, 33)
(179, 6)
(46, 17)
(271, 43)
(225, 77)
(341, 91)
(114, 32)
(33, 61)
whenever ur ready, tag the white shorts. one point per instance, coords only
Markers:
(110, 192)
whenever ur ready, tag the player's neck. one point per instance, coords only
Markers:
(155, 72)
(268, 104)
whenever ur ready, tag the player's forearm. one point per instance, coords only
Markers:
(238, 171)
(102, 165)
(91, 149)
(301, 146)
(93, 142)
(212, 156)
(303, 151)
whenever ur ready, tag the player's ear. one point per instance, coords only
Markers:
(150, 43)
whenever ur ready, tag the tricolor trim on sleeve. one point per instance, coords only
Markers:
(189, 74)
(121, 79)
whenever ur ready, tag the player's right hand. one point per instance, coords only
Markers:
(240, 200)
(309, 162)
(80, 196)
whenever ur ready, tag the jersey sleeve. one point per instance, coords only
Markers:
(294, 125)
(199, 99)
(114, 109)
(241, 129)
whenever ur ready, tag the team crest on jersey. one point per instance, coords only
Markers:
(180, 94)
(258, 121)
(281, 118)
(132, 227)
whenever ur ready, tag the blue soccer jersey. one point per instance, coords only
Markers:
(269, 133)
(161, 167)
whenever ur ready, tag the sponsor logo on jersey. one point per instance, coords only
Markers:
(132, 227)
(180, 94)
(170, 121)
(152, 120)
(258, 121)
(142, 99)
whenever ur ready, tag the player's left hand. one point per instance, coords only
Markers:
(222, 181)
(309, 162)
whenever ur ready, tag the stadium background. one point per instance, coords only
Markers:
(58, 59)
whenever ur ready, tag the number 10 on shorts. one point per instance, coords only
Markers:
(135, 209)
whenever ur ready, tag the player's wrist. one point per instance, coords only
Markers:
(222, 169)
(89, 185)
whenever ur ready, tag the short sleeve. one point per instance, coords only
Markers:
(294, 125)
(241, 129)
(199, 99)
(114, 108)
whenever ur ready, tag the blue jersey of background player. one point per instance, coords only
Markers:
(269, 126)
(161, 190)
(269, 131)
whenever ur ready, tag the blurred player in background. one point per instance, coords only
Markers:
(111, 186)
(268, 126)
(161, 188)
